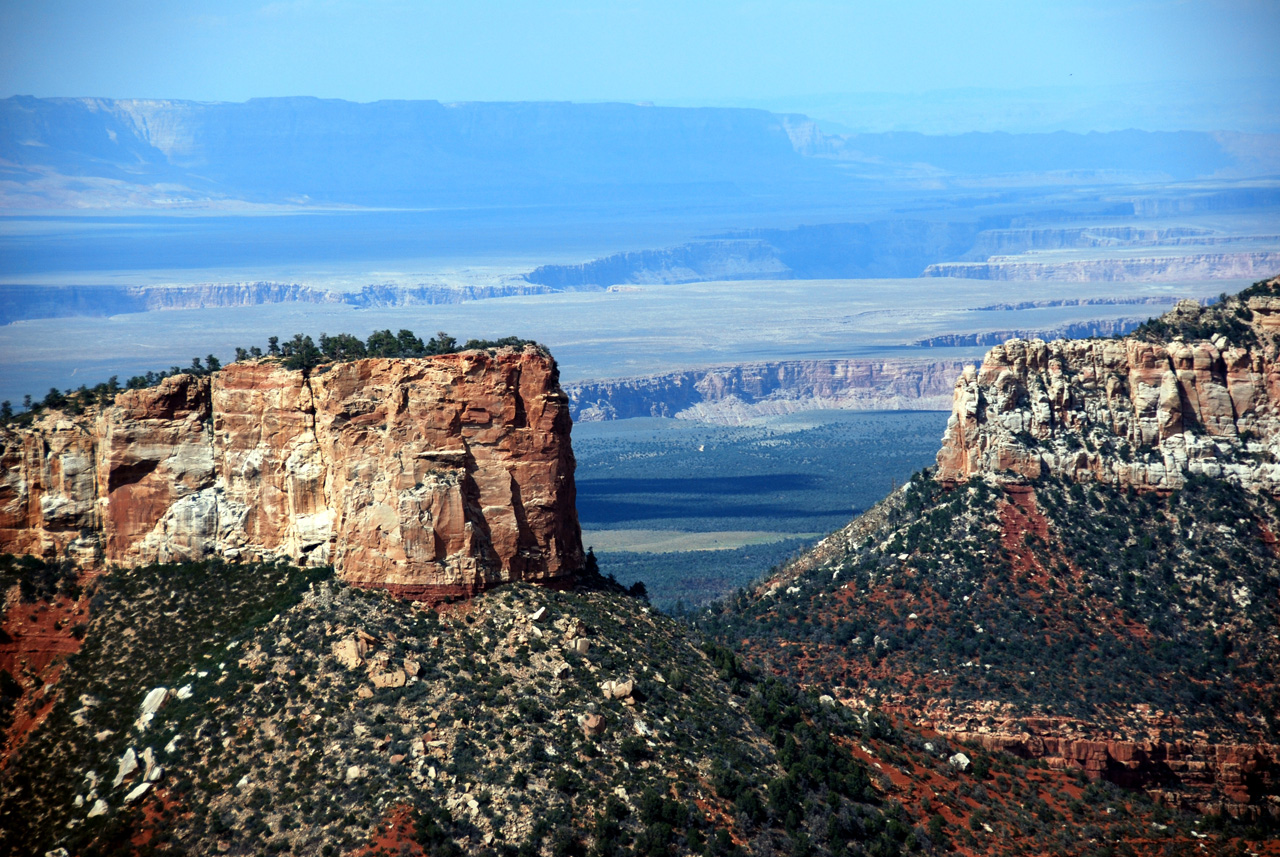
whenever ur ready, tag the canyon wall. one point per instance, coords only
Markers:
(1127, 411)
(734, 394)
(19, 302)
(1192, 266)
(1074, 330)
(428, 477)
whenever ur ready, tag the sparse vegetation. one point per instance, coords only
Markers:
(299, 353)
(278, 741)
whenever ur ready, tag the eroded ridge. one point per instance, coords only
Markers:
(1195, 393)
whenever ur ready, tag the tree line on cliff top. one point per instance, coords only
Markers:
(299, 353)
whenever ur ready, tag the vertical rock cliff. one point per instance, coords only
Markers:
(427, 477)
(1197, 392)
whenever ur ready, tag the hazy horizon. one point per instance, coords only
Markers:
(918, 66)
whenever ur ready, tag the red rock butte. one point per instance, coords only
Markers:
(431, 478)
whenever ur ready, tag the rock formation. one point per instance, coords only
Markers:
(1128, 411)
(428, 477)
(1022, 599)
(734, 394)
(1190, 266)
(1072, 330)
(1242, 775)
(24, 302)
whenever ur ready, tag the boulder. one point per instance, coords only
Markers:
(592, 725)
(618, 689)
(128, 764)
(148, 758)
(136, 792)
(347, 653)
(150, 705)
(393, 678)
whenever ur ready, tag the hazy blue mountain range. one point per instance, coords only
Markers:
(140, 153)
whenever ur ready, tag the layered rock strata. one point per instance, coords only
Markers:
(23, 302)
(734, 394)
(1125, 411)
(1197, 775)
(427, 477)
(1194, 774)
(1191, 266)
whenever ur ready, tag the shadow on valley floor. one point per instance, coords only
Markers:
(799, 474)
(697, 502)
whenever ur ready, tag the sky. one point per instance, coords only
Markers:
(712, 52)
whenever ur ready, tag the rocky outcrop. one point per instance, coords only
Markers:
(1127, 411)
(1192, 266)
(688, 263)
(734, 394)
(1075, 330)
(1192, 775)
(428, 477)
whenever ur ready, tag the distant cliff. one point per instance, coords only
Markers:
(734, 394)
(1208, 266)
(84, 153)
(1079, 329)
(883, 248)
(428, 477)
(19, 302)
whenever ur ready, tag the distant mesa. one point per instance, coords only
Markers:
(735, 394)
(1106, 327)
(1193, 266)
(96, 153)
(18, 302)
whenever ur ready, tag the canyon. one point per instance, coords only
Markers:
(19, 302)
(735, 394)
(1101, 517)
(430, 478)
(1146, 269)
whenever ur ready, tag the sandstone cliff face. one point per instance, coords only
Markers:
(1210, 778)
(1124, 411)
(431, 477)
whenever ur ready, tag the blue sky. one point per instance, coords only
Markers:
(707, 51)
